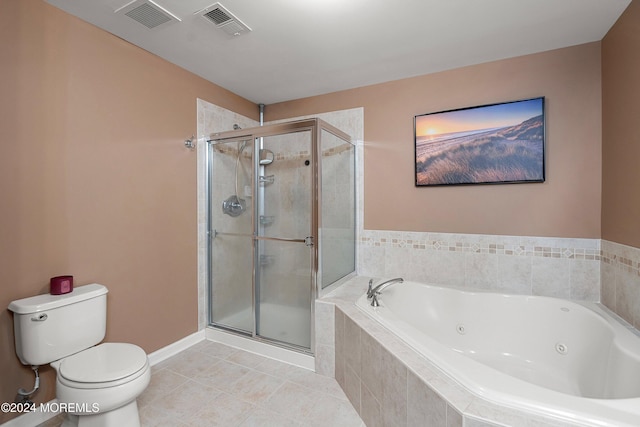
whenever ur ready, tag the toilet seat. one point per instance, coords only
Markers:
(103, 366)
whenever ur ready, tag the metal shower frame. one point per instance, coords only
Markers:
(315, 126)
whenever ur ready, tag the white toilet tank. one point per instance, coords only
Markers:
(50, 327)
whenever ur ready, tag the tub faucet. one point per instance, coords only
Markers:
(372, 293)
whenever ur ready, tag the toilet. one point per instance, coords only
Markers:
(96, 384)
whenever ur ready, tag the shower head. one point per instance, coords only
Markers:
(234, 205)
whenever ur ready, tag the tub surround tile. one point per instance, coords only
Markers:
(394, 390)
(620, 280)
(628, 297)
(585, 280)
(372, 368)
(454, 418)
(480, 270)
(370, 408)
(339, 357)
(443, 267)
(397, 386)
(550, 277)
(514, 274)
(424, 406)
(352, 347)
(324, 338)
(352, 388)
(473, 422)
(484, 414)
(608, 285)
(325, 362)
(561, 267)
(325, 329)
(369, 258)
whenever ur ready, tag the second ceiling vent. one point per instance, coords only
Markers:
(225, 20)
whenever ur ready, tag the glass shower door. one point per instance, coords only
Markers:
(284, 242)
(231, 234)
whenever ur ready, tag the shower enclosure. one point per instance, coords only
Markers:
(281, 227)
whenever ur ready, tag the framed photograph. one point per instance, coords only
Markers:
(489, 144)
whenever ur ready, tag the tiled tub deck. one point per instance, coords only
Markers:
(389, 383)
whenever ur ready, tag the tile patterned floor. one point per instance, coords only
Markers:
(211, 384)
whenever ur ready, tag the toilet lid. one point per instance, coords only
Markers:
(103, 363)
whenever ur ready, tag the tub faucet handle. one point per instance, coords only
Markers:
(370, 288)
(374, 292)
(374, 300)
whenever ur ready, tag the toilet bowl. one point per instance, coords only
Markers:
(96, 385)
(101, 383)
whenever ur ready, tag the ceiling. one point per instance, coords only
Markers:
(301, 48)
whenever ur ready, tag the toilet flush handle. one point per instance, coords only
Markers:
(40, 317)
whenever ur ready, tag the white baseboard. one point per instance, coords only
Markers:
(175, 348)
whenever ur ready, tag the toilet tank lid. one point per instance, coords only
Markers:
(45, 302)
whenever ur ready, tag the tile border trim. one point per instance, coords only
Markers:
(548, 247)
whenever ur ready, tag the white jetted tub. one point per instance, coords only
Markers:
(546, 355)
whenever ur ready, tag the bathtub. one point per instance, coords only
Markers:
(554, 357)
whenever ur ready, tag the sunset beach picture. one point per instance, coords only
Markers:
(498, 143)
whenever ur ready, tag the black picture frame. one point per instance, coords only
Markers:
(502, 143)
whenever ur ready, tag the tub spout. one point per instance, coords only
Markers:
(372, 293)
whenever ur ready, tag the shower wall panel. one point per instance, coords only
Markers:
(338, 210)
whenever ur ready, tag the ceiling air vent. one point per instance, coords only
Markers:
(148, 13)
(225, 20)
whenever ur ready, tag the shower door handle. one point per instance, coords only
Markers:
(307, 240)
(281, 239)
(215, 233)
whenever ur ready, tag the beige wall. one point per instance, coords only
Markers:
(566, 205)
(94, 179)
(620, 136)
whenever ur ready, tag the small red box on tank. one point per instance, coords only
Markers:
(61, 285)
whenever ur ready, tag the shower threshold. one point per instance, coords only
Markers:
(281, 319)
(260, 347)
